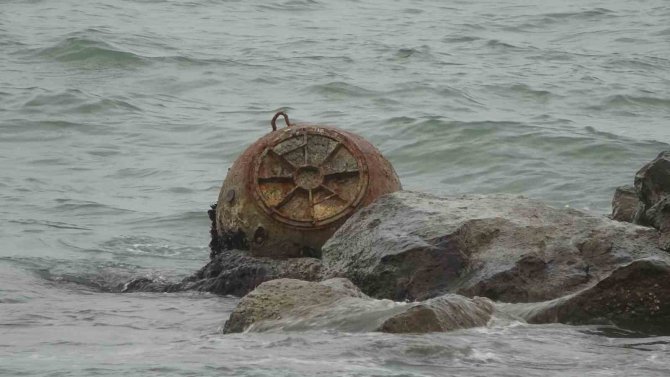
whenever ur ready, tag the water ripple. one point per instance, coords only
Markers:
(91, 54)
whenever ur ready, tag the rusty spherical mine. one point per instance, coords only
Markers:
(289, 191)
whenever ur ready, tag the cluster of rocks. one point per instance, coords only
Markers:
(414, 262)
(290, 304)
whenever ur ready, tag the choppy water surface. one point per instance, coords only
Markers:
(118, 121)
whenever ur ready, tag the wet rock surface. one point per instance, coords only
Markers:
(289, 304)
(234, 272)
(635, 296)
(410, 245)
(441, 314)
(652, 184)
(625, 204)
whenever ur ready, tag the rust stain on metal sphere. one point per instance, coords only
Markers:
(291, 189)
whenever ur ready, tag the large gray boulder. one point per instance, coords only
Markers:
(290, 305)
(415, 246)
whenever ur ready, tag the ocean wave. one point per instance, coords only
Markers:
(63, 98)
(106, 104)
(292, 5)
(523, 92)
(91, 272)
(71, 101)
(193, 218)
(341, 89)
(91, 53)
(25, 126)
(422, 52)
(84, 207)
(448, 156)
(152, 246)
(397, 94)
(460, 39)
(548, 19)
(643, 64)
(581, 15)
(101, 275)
(624, 101)
(498, 44)
(132, 172)
(50, 224)
(84, 50)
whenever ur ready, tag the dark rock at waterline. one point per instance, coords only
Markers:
(289, 304)
(652, 184)
(237, 273)
(652, 181)
(234, 272)
(648, 202)
(410, 245)
(635, 296)
(625, 204)
(231, 271)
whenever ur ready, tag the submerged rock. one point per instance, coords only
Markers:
(279, 298)
(410, 245)
(289, 304)
(441, 314)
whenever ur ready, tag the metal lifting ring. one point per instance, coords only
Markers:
(274, 120)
